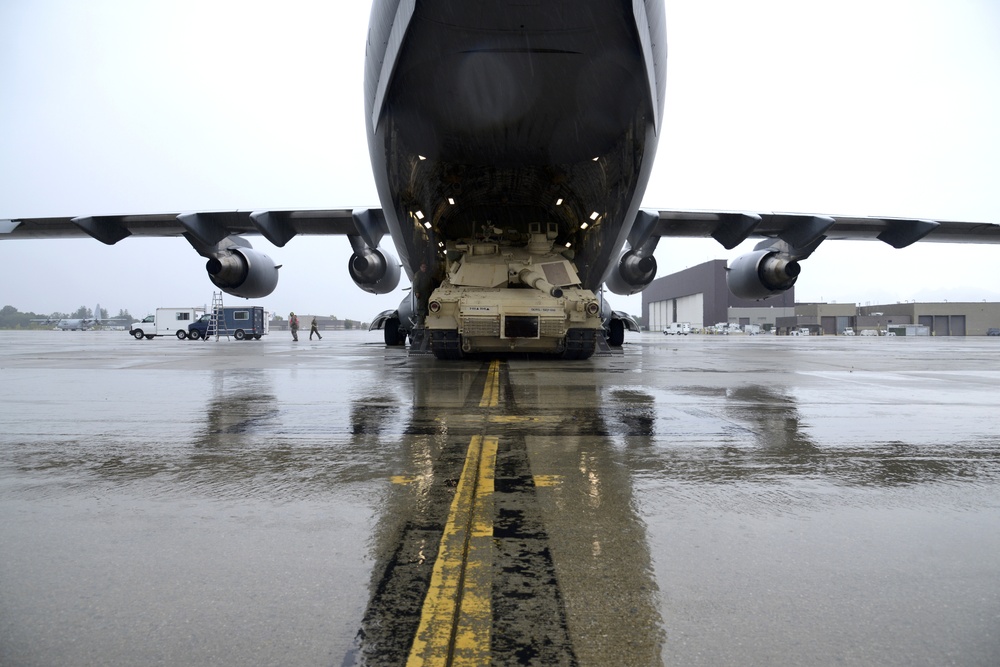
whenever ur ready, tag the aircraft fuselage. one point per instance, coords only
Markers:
(492, 116)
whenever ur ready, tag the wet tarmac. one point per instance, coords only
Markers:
(694, 501)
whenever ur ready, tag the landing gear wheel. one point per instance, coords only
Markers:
(391, 333)
(616, 333)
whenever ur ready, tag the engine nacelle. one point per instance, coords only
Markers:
(632, 274)
(243, 272)
(762, 273)
(375, 271)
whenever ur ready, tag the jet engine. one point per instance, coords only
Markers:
(374, 270)
(632, 274)
(243, 272)
(762, 273)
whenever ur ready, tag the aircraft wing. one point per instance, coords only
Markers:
(278, 227)
(233, 264)
(732, 228)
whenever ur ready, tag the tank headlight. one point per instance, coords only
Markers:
(434, 306)
(592, 308)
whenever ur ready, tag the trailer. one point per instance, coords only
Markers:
(166, 322)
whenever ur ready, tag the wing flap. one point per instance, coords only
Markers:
(279, 225)
(732, 227)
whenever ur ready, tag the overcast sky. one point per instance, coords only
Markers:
(867, 107)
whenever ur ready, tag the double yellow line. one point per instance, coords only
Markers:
(456, 618)
(491, 392)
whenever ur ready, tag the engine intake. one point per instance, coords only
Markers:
(762, 273)
(243, 272)
(375, 271)
(633, 273)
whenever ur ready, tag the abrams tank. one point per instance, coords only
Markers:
(499, 297)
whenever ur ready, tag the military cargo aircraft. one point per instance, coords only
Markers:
(81, 323)
(511, 145)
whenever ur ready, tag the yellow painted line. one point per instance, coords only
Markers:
(548, 480)
(402, 479)
(491, 392)
(525, 419)
(456, 617)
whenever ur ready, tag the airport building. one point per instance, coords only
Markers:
(700, 296)
(968, 318)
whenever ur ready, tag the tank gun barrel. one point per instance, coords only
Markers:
(531, 277)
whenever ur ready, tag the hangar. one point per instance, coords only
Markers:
(699, 295)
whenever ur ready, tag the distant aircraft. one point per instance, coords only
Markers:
(81, 324)
(511, 145)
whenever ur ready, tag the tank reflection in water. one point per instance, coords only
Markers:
(570, 575)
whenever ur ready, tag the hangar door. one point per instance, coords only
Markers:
(944, 325)
(658, 316)
(692, 309)
(682, 309)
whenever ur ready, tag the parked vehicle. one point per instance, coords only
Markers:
(847, 332)
(242, 323)
(166, 322)
(678, 328)
(993, 331)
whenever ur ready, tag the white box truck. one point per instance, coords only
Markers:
(166, 322)
(678, 328)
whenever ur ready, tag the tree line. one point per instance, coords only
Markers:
(12, 318)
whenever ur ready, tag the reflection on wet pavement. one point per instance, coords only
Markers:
(757, 501)
(537, 548)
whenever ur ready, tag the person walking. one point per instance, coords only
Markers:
(314, 329)
(293, 325)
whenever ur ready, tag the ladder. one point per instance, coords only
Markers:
(217, 322)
